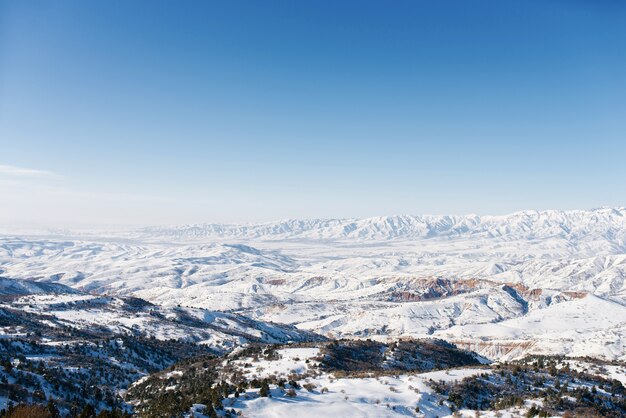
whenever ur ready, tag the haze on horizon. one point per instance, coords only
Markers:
(151, 113)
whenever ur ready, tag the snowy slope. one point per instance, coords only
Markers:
(589, 326)
(53, 312)
(10, 287)
(297, 381)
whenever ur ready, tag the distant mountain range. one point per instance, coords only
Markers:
(577, 224)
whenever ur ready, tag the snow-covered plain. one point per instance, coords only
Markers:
(533, 281)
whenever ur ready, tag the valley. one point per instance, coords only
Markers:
(500, 290)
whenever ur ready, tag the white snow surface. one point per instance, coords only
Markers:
(387, 396)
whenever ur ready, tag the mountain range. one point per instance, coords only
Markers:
(495, 284)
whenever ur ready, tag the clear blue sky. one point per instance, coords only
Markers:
(202, 111)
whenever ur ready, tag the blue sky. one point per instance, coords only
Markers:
(118, 112)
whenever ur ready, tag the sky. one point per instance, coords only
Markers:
(163, 112)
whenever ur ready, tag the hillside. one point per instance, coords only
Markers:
(60, 343)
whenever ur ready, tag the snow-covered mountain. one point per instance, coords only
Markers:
(574, 225)
(489, 282)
